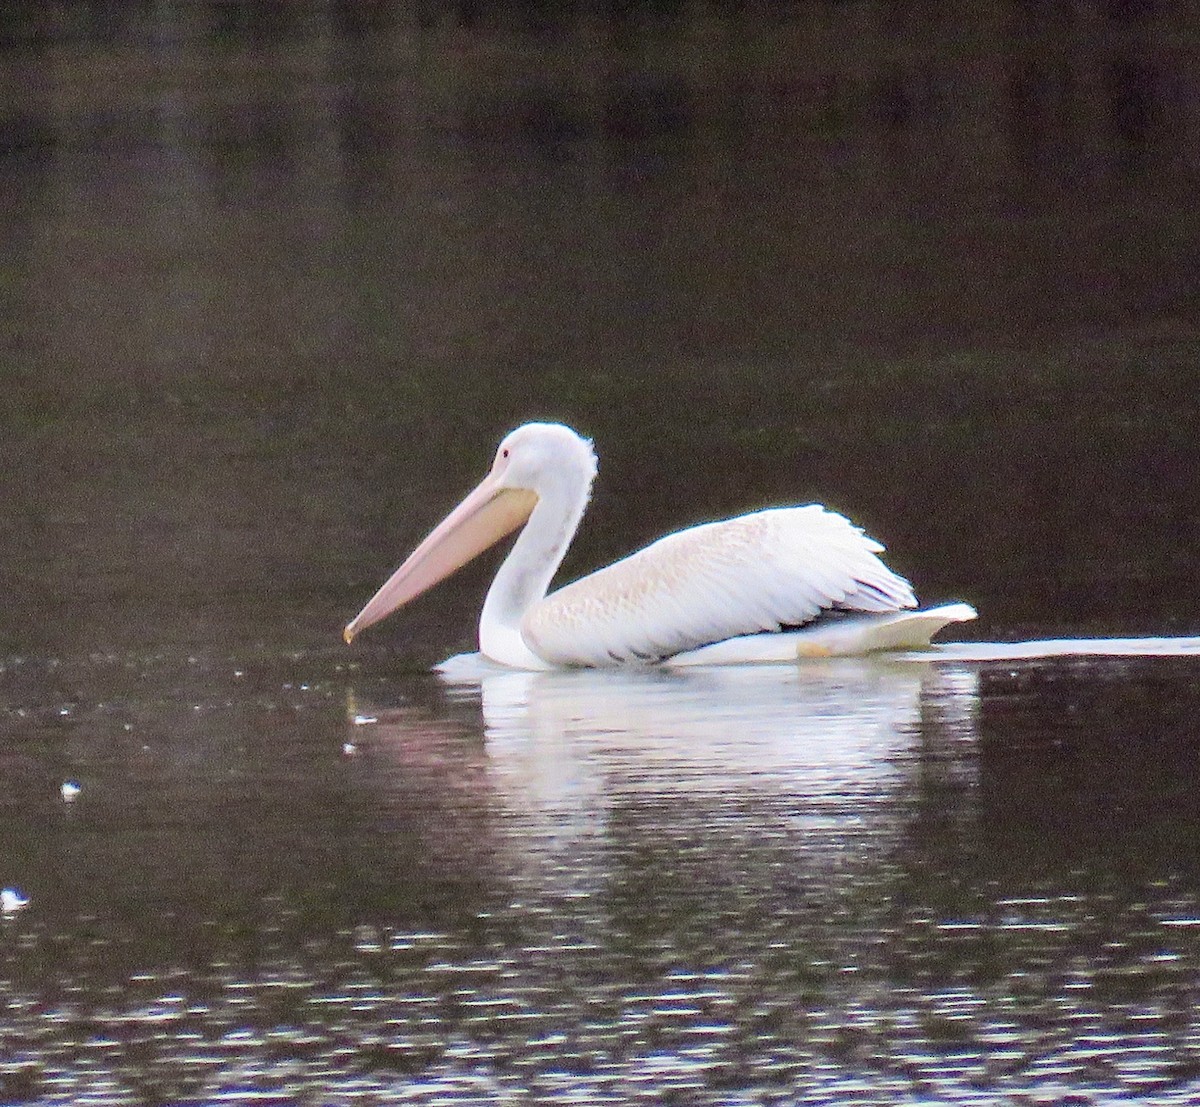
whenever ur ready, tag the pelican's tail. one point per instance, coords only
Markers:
(840, 636)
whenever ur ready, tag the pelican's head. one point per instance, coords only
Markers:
(543, 457)
(534, 462)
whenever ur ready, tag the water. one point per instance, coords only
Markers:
(891, 882)
(276, 279)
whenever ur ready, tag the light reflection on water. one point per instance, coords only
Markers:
(729, 887)
(639, 772)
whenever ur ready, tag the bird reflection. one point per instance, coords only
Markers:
(818, 767)
(750, 778)
(838, 728)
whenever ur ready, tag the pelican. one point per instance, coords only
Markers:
(766, 587)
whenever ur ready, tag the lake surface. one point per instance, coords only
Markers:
(274, 281)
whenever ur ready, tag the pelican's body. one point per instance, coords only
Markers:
(720, 593)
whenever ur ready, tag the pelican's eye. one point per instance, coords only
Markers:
(504, 452)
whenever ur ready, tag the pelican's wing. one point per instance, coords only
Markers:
(755, 573)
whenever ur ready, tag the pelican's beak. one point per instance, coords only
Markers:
(481, 520)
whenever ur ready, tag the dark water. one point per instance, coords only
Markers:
(275, 278)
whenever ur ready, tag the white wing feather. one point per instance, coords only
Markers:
(759, 572)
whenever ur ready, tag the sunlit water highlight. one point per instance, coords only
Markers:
(1170, 646)
(773, 884)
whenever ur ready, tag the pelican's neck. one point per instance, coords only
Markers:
(525, 576)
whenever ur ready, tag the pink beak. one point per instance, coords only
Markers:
(489, 513)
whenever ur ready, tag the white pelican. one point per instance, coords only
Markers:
(722, 593)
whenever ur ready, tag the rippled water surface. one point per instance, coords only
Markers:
(274, 280)
(873, 881)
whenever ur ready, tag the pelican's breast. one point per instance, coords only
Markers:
(758, 572)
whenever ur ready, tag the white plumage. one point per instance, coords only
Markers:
(755, 573)
(740, 582)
